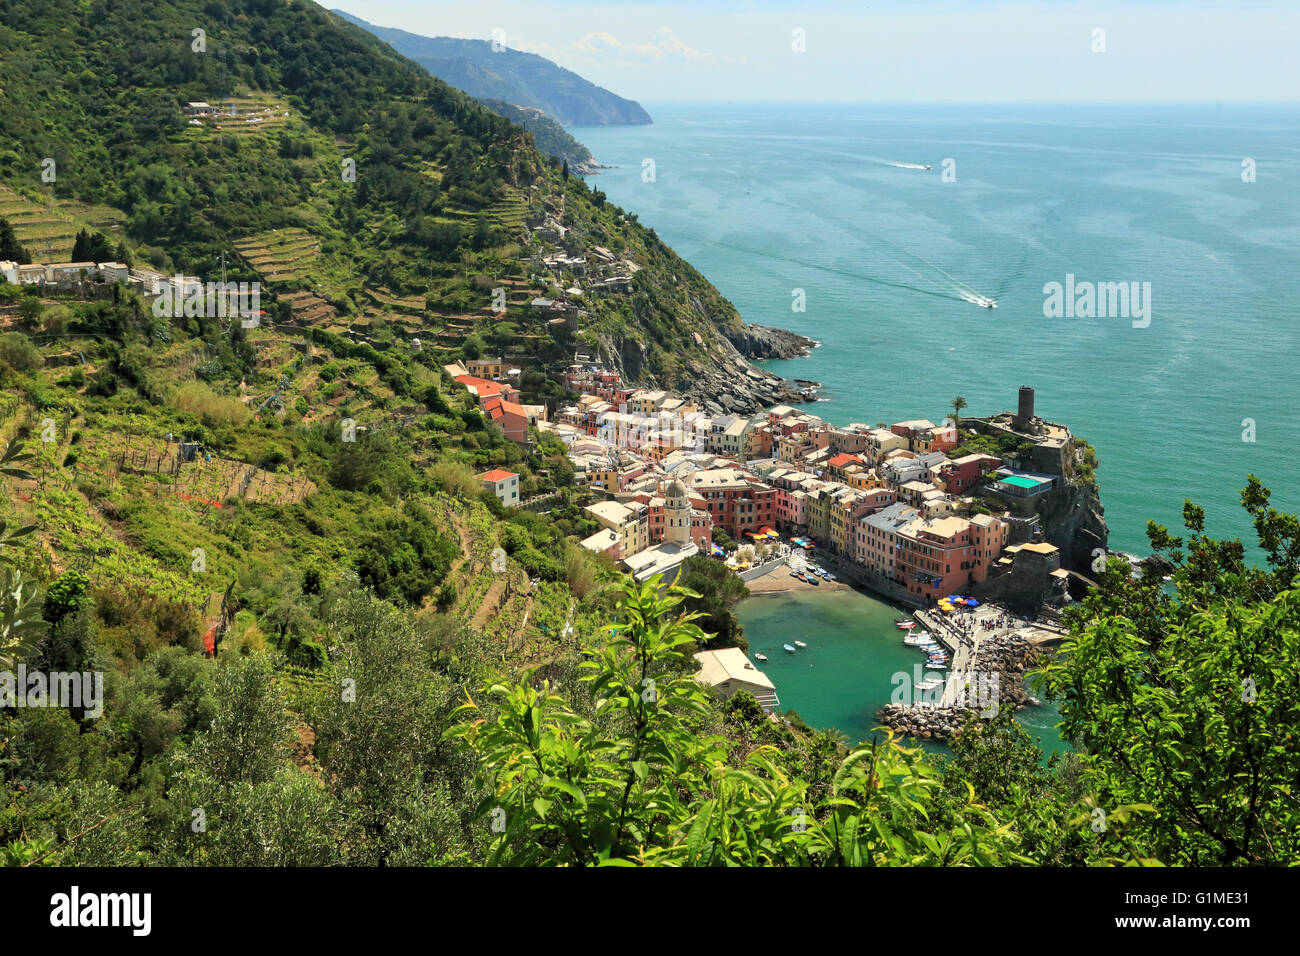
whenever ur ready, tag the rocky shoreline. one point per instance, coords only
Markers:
(764, 342)
(736, 387)
(733, 386)
(725, 384)
(1007, 656)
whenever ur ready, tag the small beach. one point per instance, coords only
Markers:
(779, 579)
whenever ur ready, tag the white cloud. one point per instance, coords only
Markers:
(665, 45)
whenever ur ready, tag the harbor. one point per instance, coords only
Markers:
(855, 671)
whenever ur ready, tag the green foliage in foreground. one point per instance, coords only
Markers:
(406, 745)
(637, 783)
(1191, 702)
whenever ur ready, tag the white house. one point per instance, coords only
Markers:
(151, 282)
(71, 270)
(503, 484)
(10, 271)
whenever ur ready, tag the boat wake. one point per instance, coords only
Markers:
(905, 165)
(933, 280)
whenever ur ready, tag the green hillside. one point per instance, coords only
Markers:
(442, 190)
(548, 136)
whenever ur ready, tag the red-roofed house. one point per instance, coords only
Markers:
(961, 474)
(504, 484)
(482, 388)
(838, 463)
(510, 416)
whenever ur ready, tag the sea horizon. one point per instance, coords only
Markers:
(830, 198)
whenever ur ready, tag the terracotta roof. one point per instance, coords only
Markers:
(498, 408)
(497, 474)
(483, 386)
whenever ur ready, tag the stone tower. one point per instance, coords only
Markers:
(677, 514)
(1025, 413)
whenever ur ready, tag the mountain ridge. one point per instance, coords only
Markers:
(518, 78)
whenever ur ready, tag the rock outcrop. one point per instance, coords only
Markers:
(728, 384)
(762, 342)
(1072, 518)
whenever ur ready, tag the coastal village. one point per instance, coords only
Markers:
(890, 503)
(900, 509)
(905, 510)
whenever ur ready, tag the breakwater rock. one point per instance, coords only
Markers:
(995, 681)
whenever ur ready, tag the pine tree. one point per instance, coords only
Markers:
(10, 248)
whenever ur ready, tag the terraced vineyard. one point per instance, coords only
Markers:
(281, 255)
(508, 213)
(46, 232)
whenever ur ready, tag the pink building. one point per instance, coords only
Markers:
(876, 540)
(945, 555)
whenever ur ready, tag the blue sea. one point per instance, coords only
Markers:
(768, 199)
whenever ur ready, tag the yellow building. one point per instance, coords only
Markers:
(630, 522)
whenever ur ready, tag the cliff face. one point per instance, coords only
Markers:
(1073, 519)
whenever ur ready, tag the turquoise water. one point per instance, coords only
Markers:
(847, 671)
(765, 199)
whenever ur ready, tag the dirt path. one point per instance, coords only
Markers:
(490, 602)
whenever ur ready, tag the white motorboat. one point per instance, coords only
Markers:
(760, 657)
(800, 644)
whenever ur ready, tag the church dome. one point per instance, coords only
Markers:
(675, 489)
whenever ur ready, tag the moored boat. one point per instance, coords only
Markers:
(760, 657)
(800, 644)
(788, 648)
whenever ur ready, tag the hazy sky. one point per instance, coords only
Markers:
(891, 50)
